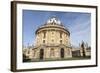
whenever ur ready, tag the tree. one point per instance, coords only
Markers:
(83, 49)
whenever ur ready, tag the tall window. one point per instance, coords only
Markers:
(60, 34)
(43, 41)
(44, 35)
(60, 41)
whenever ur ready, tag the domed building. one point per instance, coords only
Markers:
(52, 41)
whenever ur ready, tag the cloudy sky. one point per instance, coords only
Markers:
(78, 23)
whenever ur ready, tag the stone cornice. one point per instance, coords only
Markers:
(51, 45)
(46, 28)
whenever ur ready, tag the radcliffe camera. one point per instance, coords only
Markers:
(57, 37)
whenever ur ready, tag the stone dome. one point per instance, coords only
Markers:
(54, 22)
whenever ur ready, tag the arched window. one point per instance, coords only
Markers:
(60, 34)
(44, 34)
(62, 52)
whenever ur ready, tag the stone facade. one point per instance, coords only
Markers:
(51, 52)
(52, 41)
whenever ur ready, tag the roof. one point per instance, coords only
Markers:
(53, 22)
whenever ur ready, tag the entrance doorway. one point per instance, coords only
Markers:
(62, 52)
(41, 54)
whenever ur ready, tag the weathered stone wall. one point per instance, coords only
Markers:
(50, 53)
(52, 36)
